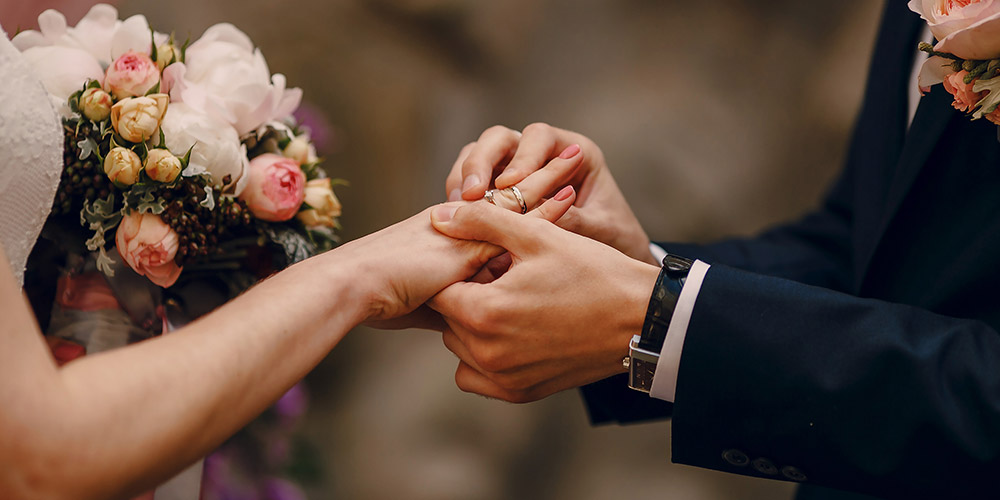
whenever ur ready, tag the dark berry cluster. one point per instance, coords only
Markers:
(200, 230)
(81, 179)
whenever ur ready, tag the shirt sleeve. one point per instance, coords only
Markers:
(665, 379)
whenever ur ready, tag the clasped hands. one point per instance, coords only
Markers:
(554, 305)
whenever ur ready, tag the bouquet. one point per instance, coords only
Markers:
(966, 57)
(185, 180)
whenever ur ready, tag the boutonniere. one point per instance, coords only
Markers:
(966, 58)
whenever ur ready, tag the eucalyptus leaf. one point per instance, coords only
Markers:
(989, 103)
(87, 147)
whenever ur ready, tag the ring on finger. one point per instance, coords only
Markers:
(520, 199)
(489, 196)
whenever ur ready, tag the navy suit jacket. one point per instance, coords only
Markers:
(858, 348)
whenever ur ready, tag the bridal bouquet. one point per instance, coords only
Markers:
(185, 179)
(966, 58)
(178, 154)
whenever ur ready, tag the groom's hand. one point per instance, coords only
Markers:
(404, 265)
(529, 159)
(560, 317)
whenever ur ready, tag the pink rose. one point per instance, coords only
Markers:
(132, 74)
(969, 29)
(965, 97)
(148, 245)
(275, 189)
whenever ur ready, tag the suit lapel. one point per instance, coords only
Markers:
(930, 121)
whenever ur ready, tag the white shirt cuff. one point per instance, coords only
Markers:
(665, 379)
(658, 252)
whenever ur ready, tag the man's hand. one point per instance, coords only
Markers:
(560, 317)
(528, 158)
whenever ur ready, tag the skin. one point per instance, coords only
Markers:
(562, 311)
(506, 157)
(115, 424)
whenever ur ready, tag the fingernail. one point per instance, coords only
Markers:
(570, 152)
(470, 182)
(563, 194)
(444, 213)
(455, 195)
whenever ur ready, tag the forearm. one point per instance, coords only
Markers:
(176, 397)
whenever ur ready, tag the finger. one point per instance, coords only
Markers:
(459, 302)
(482, 221)
(453, 184)
(556, 207)
(494, 146)
(470, 380)
(493, 269)
(454, 343)
(539, 144)
(423, 318)
(558, 172)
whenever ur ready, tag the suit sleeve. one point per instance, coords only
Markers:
(815, 250)
(850, 393)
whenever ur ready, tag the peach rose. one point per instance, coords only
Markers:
(969, 29)
(324, 205)
(275, 189)
(965, 97)
(148, 245)
(132, 74)
(137, 119)
(95, 104)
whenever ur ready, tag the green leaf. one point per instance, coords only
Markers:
(989, 103)
(163, 140)
(105, 263)
(209, 201)
(87, 147)
(296, 245)
(152, 43)
(154, 90)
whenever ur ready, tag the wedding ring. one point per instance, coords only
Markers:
(520, 199)
(489, 196)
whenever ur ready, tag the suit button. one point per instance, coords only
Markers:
(764, 466)
(736, 457)
(793, 474)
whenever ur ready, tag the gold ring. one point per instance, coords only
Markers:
(520, 199)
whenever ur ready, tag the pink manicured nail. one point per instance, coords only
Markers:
(455, 195)
(470, 182)
(563, 194)
(444, 213)
(570, 152)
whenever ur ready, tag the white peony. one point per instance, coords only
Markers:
(64, 58)
(217, 148)
(225, 76)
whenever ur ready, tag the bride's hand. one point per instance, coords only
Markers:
(506, 157)
(404, 265)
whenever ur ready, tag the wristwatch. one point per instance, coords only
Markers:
(644, 349)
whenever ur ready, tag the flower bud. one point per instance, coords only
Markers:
(95, 104)
(299, 150)
(122, 166)
(323, 203)
(162, 165)
(132, 74)
(137, 119)
(167, 54)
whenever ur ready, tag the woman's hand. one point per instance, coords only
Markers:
(404, 265)
(560, 317)
(528, 158)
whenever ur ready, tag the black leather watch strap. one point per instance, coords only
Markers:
(667, 290)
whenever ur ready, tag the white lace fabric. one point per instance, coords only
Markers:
(31, 156)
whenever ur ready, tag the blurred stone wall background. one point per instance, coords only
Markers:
(717, 118)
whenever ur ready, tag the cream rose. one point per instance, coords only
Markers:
(137, 119)
(162, 166)
(122, 165)
(324, 207)
(217, 149)
(224, 75)
(149, 246)
(969, 29)
(276, 188)
(96, 104)
(300, 150)
(132, 74)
